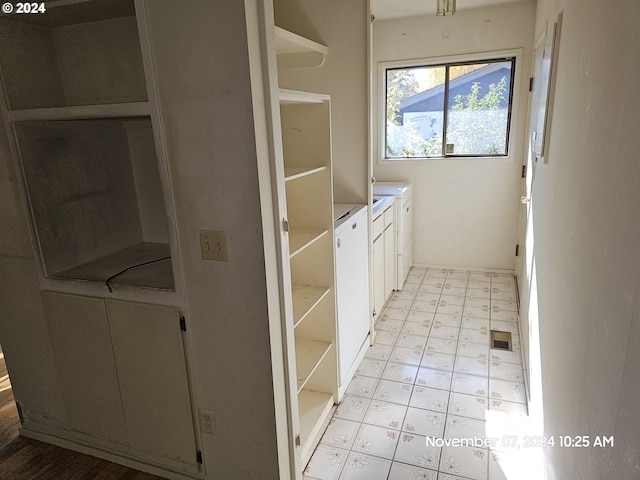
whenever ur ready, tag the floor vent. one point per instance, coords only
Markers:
(501, 340)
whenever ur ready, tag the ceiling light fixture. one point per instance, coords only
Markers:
(445, 7)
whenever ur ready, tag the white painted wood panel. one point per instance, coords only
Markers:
(149, 357)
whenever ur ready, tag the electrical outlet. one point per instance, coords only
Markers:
(208, 422)
(214, 245)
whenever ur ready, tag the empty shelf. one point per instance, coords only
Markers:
(157, 275)
(305, 297)
(292, 173)
(315, 409)
(309, 354)
(301, 239)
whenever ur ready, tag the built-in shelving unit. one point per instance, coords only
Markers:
(306, 139)
(77, 105)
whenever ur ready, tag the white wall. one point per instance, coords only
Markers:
(586, 227)
(465, 211)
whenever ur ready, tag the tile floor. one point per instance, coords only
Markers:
(432, 374)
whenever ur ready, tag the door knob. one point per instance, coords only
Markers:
(524, 200)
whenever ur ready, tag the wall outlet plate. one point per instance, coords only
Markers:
(207, 422)
(214, 245)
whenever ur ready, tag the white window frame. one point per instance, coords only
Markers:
(380, 110)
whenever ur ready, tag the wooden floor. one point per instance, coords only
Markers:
(25, 459)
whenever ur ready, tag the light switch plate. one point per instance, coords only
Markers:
(214, 245)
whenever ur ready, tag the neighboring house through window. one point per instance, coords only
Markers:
(453, 109)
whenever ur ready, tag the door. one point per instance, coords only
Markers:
(352, 287)
(525, 263)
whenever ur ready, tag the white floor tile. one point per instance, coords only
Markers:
(476, 312)
(468, 462)
(506, 371)
(429, 398)
(506, 390)
(478, 302)
(480, 276)
(448, 333)
(464, 428)
(362, 386)
(379, 352)
(428, 377)
(399, 304)
(425, 318)
(478, 292)
(378, 441)
(408, 340)
(365, 467)
(386, 338)
(453, 290)
(472, 366)
(473, 350)
(451, 300)
(504, 305)
(389, 324)
(435, 287)
(424, 422)
(470, 406)
(393, 314)
(469, 384)
(444, 320)
(428, 297)
(441, 345)
(414, 328)
(424, 306)
(394, 392)
(371, 368)
(476, 323)
(438, 361)
(406, 355)
(400, 372)
(474, 336)
(514, 356)
(326, 463)
(352, 408)
(504, 326)
(404, 295)
(401, 471)
(340, 433)
(385, 414)
(504, 315)
(412, 449)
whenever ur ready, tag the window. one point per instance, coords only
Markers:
(458, 109)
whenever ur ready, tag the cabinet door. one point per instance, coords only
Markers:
(378, 274)
(82, 349)
(149, 355)
(390, 262)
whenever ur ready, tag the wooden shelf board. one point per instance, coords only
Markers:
(305, 298)
(114, 110)
(288, 97)
(289, 42)
(293, 173)
(301, 239)
(158, 275)
(309, 354)
(315, 410)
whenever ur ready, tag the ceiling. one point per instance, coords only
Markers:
(385, 9)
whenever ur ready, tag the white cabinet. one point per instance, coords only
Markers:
(384, 257)
(123, 375)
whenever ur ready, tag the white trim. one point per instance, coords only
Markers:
(380, 116)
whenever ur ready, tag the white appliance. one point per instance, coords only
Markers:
(403, 224)
(352, 287)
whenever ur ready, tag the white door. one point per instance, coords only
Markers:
(525, 263)
(352, 288)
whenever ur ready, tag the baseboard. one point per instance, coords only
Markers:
(461, 267)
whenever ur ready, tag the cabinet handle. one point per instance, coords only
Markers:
(338, 243)
(353, 227)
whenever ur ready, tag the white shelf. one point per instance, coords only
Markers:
(309, 354)
(115, 110)
(301, 239)
(305, 297)
(315, 410)
(294, 51)
(299, 97)
(293, 173)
